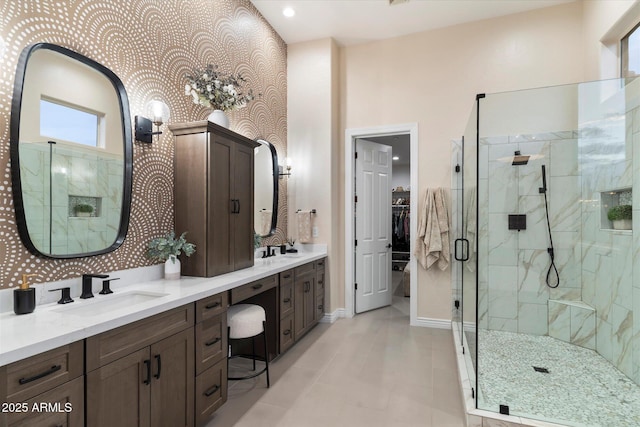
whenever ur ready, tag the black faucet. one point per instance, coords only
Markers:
(87, 288)
(268, 253)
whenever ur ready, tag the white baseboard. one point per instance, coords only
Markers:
(332, 317)
(427, 322)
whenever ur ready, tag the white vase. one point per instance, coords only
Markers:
(172, 268)
(219, 117)
(622, 224)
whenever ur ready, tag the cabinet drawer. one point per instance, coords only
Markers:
(286, 299)
(286, 333)
(211, 342)
(211, 391)
(286, 277)
(29, 377)
(304, 269)
(254, 288)
(320, 263)
(112, 345)
(211, 306)
(65, 407)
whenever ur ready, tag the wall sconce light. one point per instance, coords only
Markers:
(288, 165)
(144, 126)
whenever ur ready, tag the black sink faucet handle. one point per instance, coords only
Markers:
(66, 295)
(106, 286)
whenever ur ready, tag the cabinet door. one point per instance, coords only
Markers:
(304, 311)
(65, 407)
(118, 393)
(220, 255)
(310, 303)
(172, 380)
(243, 219)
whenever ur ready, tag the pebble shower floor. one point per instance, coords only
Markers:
(581, 388)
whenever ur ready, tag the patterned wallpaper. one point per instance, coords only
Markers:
(150, 45)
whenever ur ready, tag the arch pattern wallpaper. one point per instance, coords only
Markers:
(150, 45)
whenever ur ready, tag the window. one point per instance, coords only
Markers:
(68, 123)
(630, 53)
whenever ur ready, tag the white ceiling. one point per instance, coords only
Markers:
(358, 21)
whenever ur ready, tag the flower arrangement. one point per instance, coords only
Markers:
(169, 247)
(214, 89)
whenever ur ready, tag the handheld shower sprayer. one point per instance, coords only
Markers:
(552, 267)
(543, 189)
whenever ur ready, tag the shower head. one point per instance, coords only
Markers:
(519, 159)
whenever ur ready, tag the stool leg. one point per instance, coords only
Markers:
(266, 351)
(253, 351)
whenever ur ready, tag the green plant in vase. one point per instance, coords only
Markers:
(167, 248)
(620, 216)
(83, 209)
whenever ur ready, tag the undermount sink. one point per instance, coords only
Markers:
(102, 304)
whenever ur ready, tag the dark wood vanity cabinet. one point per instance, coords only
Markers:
(211, 356)
(301, 301)
(213, 192)
(142, 374)
(53, 379)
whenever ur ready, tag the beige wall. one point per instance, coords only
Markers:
(313, 140)
(432, 78)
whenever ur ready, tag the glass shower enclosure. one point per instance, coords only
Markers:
(550, 270)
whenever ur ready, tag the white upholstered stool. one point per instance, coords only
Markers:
(246, 321)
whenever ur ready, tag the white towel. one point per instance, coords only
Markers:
(432, 243)
(304, 226)
(265, 222)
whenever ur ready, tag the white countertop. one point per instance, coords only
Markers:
(54, 325)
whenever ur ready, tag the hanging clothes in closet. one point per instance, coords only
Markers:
(400, 226)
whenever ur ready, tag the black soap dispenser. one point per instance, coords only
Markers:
(24, 298)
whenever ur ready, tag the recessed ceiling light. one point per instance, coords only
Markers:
(288, 12)
(396, 158)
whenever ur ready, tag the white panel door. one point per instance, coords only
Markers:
(373, 226)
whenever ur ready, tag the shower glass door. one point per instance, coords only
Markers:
(549, 171)
(465, 246)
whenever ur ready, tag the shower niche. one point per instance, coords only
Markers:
(615, 209)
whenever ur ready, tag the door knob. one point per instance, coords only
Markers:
(389, 246)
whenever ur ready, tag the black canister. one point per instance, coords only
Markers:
(24, 300)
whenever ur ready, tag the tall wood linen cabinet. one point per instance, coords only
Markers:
(213, 197)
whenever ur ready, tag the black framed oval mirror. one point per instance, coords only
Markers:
(71, 154)
(265, 189)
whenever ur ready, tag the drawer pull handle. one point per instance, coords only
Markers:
(287, 332)
(212, 390)
(214, 305)
(286, 300)
(213, 341)
(159, 360)
(320, 282)
(286, 276)
(256, 286)
(49, 371)
(147, 364)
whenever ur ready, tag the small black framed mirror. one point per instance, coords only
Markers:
(71, 154)
(265, 189)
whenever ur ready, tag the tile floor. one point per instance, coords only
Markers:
(371, 370)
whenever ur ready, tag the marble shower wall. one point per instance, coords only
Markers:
(512, 293)
(608, 127)
(79, 176)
